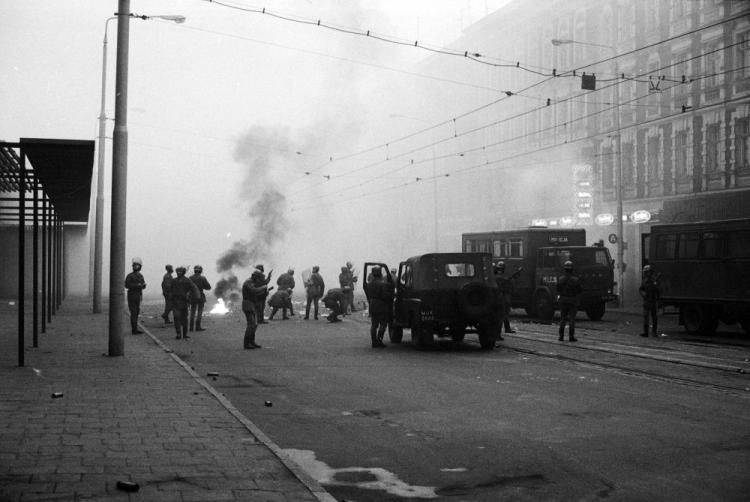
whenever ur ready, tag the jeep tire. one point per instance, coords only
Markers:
(476, 300)
(488, 334)
(457, 332)
(421, 336)
(395, 333)
(543, 306)
(595, 310)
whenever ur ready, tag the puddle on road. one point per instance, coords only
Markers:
(370, 478)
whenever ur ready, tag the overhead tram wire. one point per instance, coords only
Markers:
(520, 115)
(555, 126)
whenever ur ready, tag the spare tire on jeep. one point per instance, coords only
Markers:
(477, 299)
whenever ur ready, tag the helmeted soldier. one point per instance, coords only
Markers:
(182, 291)
(166, 283)
(135, 284)
(650, 293)
(380, 297)
(197, 304)
(281, 299)
(347, 287)
(261, 306)
(286, 282)
(569, 290)
(252, 289)
(314, 288)
(334, 300)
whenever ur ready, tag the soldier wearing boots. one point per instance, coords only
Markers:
(650, 293)
(135, 284)
(380, 297)
(166, 284)
(569, 290)
(314, 288)
(197, 303)
(261, 305)
(181, 293)
(253, 289)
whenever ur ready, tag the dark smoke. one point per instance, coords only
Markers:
(260, 151)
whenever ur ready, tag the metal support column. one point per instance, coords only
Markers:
(21, 256)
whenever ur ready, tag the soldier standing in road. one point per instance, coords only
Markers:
(650, 293)
(166, 284)
(505, 284)
(380, 297)
(346, 284)
(286, 282)
(569, 290)
(352, 284)
(314, 288)
(197, 303)
(261, 306)
(181, 292)
(135, 284)
(252, 289)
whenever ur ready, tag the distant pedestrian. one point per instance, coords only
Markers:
(252, 289)
(314, 288)
(569, 290)
(334, 301)
(135, 284)
(261, 306)
(286, 281)
(353, 284)
(166, 284)
(197, 304)
(182, 291)
(650, 293)
(379, 293)
(280, 300)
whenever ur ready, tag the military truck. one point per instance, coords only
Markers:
(443, 295)
(539, 253)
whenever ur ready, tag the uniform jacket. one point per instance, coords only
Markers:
(166, 283)
(252, 293)
(280, 299)
(346, 279)
(333, 296)
(650, 292)
(380, 297)
(135, 284)
(182, 291)
(315, 286)
(569, 288)
(201, 283)
(285, 281)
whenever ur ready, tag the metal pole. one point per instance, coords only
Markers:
(618, 179)
(21, 255)
(435, 199)
(119, 186)
(99, 219)
(44, 263)
(35, 275)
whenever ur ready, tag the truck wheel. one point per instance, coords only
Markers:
(745, 323)
(395, 333)
(458, 331)
(488, 334)
(476, 299)
(421, 336)
(595, 311)
(699, 319)
(545, 310)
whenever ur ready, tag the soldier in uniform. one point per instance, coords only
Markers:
(252, 289)
(197, 303)
(314, 288)
(166, 283)
(286, 282)
(135, 284)
(182, 291)
(347, 284)
(650, 293)
(261, 306)
(380, 297)
(569, 290)
(506, 291)
(280, 300)
(334, 300)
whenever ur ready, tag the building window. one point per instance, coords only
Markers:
(516, 248)
(712, 148)
(742, 143)
(654, 166)
(743, 55)
(681, 154)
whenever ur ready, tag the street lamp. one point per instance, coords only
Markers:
(434, 179)
(119, 178)
(99, 218)
(618, 166)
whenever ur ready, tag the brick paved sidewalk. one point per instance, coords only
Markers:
(145, 418)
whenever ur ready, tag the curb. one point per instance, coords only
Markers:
(311, 484)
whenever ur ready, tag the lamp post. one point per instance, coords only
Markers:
(618, 167)
(99, 218)
(434, 180)
(119, 178)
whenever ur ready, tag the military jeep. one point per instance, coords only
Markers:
(444, 295)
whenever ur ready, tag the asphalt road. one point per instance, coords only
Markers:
(458, 423)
